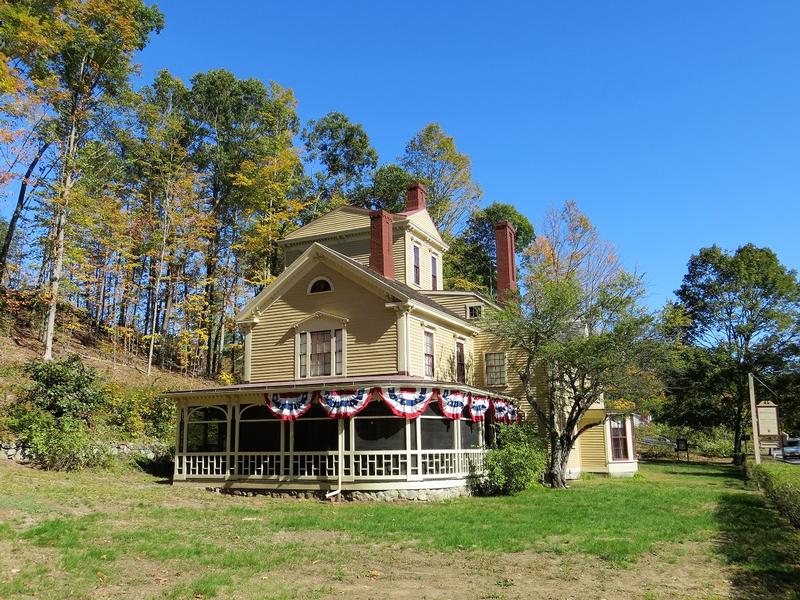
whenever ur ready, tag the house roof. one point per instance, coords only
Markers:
(476, 295)
(316, 252)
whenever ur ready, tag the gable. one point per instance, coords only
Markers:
(422, 221)
(370, 327)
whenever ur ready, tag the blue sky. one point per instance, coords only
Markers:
(673, 125)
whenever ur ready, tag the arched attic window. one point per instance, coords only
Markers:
(320, 285)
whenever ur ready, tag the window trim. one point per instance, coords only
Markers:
(314, 325)
(612, 437)
(315, 280)
(473, 305)
(486, 369)
(434, 272)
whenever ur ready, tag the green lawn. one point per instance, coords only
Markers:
(676, 530)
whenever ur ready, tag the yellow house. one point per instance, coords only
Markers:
(362, 375)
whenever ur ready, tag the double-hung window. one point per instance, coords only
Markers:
(429, 366)
(434, 273)
(619, 438)
(461, 367)
(416, 265)
(495, 368)
(320, 353)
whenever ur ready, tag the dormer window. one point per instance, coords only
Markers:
(320, 285)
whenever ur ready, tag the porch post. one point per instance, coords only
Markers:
(178, 426)
(228, 440)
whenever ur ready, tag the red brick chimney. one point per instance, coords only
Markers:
(381, 258)
(505, 233)
(415, 197)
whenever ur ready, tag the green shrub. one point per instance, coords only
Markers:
(714, 442)
(516, 463)
(64, 387)
(781, 484)
(63, 444)
(52, 418)
(142, 411)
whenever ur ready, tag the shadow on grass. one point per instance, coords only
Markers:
(760, 546)
(159, 467)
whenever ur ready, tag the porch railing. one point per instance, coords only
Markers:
(379, 465)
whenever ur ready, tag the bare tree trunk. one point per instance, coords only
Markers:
(55, 280)
(154, 315)
(12, 224)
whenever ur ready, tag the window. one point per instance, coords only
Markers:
(434, 274)
(475, 311)
(416, 265)
(429, 370)
(320, 285)
(207, 430)
(259, 430)
(377, 428)
(461, 367)
(470, 433)
(320, 353)
(437, 433)
(619, 439)
(495, 368)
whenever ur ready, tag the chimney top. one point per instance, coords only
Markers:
(415, 196)
(506, 268)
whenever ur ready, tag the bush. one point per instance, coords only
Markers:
(63, 444)
(716, 442)
(518, 461)
(64, 387)
(142, 411)
(52, 417)
(781, 484)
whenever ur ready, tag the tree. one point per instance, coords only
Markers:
(386, 190)
(88, 68)
(432, 156)
(581, 329)
(471, 261)
(343, 150)
(236, 121)
(744, 308)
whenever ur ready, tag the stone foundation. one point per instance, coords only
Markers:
(422, 495)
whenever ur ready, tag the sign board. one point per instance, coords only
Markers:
(768, 419)
(769, 427)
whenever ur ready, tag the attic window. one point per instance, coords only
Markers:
(320, 285)
(474, 311)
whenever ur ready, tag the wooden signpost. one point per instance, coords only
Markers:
(766, 423)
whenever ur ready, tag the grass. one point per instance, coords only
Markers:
(82, 535)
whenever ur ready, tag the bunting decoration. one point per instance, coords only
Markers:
(290, 406)
(406, 402)
(500, 410)
(478, 407)
(513, 414)
(340, 404)
(452, 403)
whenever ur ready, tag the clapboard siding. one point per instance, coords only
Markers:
(444, 350)
(334, 222)
(593, 442)
(371, 331)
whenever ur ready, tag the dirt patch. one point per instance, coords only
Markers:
(373, 572)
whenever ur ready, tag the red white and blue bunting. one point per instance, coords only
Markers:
(452, 403)
(290, 406)
(513, 414)
(478, 407)
(406, 402)
(340, 404)
(500, 410)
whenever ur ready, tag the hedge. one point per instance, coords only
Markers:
(781, 484)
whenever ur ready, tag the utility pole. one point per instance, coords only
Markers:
(754, 414)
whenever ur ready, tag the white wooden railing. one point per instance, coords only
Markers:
(314, 466)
